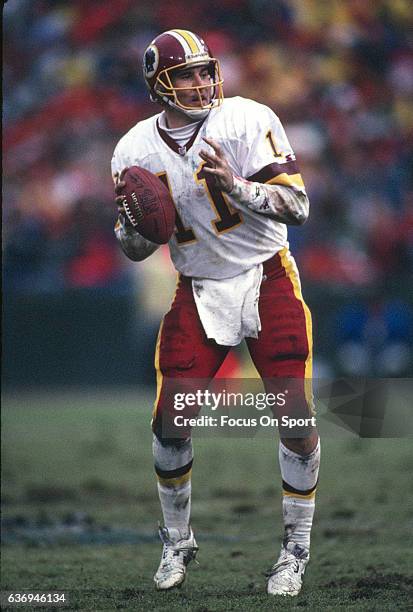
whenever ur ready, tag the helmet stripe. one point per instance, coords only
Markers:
(191, 40)
(182, 41)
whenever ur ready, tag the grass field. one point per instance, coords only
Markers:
(80, 513)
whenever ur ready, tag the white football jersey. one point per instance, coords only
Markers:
(215, 236)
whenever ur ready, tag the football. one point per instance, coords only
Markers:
(148, 205)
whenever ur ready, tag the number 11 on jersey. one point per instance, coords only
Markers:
(226, 218)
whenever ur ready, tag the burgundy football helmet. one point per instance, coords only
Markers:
(180, 49)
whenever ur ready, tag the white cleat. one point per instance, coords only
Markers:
(286, 575)
(177, 553)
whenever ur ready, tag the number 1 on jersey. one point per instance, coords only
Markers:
(226, 218)
(270, 138)
(183, 234)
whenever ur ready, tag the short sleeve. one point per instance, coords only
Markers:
(270, 157)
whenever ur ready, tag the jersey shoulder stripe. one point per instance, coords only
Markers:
(268, 173)
(287, 174)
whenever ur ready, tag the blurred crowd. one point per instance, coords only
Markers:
(338, 74)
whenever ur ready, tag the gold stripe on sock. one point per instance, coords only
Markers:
(309, 496)
(175, 482)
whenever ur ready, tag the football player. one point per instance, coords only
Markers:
(236, 186)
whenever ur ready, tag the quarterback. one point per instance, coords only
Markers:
(236, 186)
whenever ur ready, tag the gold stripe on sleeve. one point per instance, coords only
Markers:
(290, 180)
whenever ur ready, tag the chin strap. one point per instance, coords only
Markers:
(196, 114)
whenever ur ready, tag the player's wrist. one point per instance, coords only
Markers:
(123, 219)
(240, 190)
(230, 183)
(247, 193)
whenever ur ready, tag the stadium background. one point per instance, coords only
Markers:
(79, 319)
(339, 75)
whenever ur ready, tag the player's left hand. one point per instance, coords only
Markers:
(218, 166)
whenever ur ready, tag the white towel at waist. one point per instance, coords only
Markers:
(228, 308)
